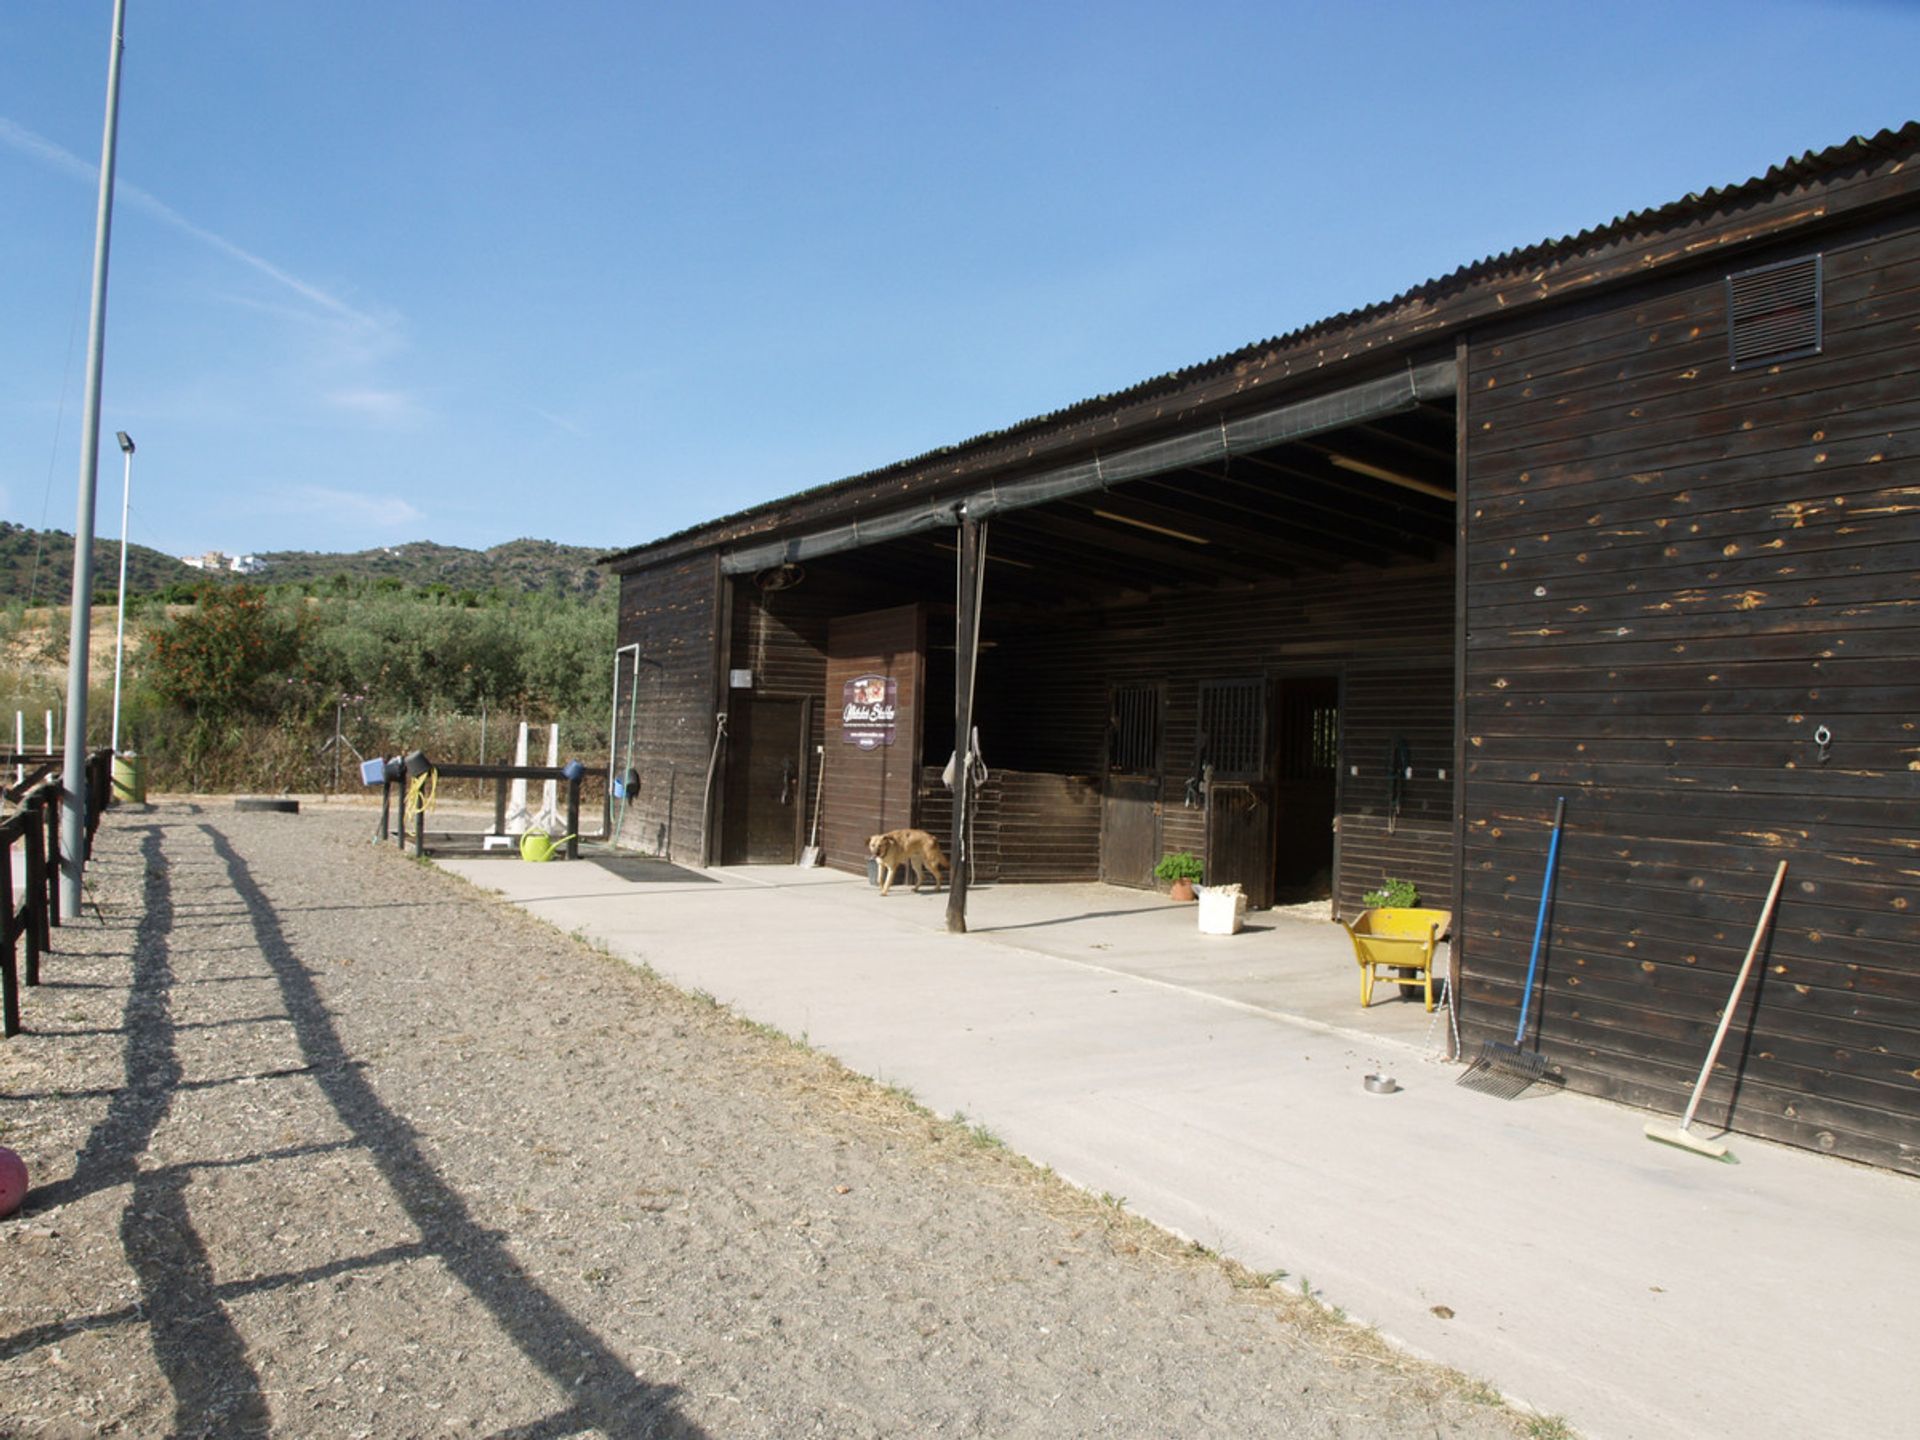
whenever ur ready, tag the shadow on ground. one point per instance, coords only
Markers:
(215, 1388)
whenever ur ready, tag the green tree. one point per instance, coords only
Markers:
(225, 658)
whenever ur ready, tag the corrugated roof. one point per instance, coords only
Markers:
(1809, 165)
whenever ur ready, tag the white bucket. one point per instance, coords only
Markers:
(1223, 908)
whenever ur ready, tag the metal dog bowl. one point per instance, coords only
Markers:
(1381, 1084)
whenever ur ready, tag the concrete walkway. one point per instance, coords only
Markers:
(1542, 1244)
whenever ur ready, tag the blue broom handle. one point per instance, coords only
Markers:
(1540, 922)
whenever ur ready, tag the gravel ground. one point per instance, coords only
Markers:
(348, 1148)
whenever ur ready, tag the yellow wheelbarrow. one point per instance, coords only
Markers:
(1402, 941)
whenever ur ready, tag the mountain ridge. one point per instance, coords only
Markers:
(36, 567)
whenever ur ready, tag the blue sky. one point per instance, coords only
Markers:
(410, 269)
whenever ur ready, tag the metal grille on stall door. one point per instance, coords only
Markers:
(1233, 728)
(1309, 738)
(1133, 740)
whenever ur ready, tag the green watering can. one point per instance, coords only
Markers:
(537, 845)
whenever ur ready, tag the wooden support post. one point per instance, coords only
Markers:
(386, 809)
(1461, 554)
(32, 918)
(573, 819)
(49, 848)
(41, 901)
(9, 977)
(966, 657)
(713, 815)
(100, 771)
(500, 806)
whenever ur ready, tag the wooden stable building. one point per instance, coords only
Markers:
(1631, 517)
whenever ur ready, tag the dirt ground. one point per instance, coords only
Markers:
(325, 1142)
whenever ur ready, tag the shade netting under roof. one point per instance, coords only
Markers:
(1370, 400)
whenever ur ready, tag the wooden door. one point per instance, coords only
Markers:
(1306, 785)
(1240, 838)
(1130, 807)
(875, 662)
(1231, 743)
(766, 782)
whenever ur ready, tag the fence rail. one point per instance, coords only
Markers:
(498, 776)
(35, 827)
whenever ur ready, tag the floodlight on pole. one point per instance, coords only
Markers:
(73, 770)
(120, 608)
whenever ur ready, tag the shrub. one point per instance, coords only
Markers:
(219, 661)
(1392, 895)
(1180, 865)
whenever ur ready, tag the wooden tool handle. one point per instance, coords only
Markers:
(1739, 983)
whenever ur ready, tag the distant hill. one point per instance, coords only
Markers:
(523, 566)
(37, 566)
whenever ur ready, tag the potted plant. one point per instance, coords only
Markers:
(1179, 870)
(1392, 895)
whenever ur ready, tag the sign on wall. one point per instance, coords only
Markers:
(868, 705)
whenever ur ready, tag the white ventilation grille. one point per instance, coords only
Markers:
(1773, 312)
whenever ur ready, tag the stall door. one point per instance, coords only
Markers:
(1306, 765)
(766, 782)
(1130, 808)
(1231, 743)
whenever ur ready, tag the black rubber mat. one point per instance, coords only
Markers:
(644, 869)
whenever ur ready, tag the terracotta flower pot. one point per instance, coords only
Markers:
(1181, 889)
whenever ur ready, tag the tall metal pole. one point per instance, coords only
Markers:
(73, 817)
(966, 660)
(120, 610)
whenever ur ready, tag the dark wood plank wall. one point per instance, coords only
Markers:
(1413, 706)
(781, 636)
(669, 611)
(1043, 706)
(1675, 574)
(1033, 828)
(1049, 827)
(1389, 632)
(934, 806)
(868, 791)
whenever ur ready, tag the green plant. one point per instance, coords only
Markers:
(1392, 895)
(1180, 865)
(226, 658)
(984, 1139)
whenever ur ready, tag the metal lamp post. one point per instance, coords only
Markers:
(73, 776)
(120, 615)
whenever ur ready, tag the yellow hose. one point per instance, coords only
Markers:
(421, 791)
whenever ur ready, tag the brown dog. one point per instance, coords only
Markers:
(915, 849)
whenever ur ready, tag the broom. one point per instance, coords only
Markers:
(1506, 1070)
(1683, 1137)
(810, 854)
